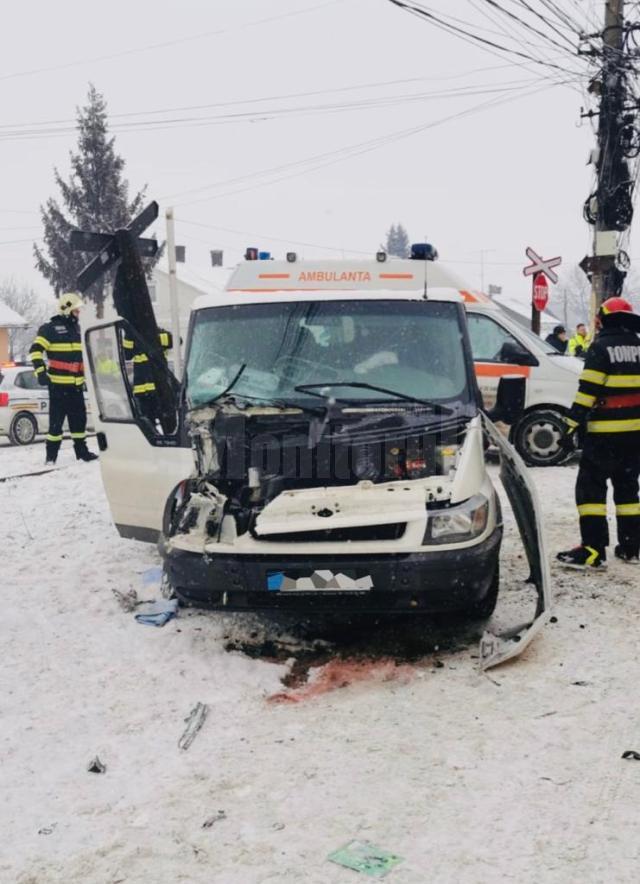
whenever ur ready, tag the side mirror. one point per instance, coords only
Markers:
(516, 354)
(510, 400)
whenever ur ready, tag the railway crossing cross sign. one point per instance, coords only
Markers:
(541, 265)
(539, 269)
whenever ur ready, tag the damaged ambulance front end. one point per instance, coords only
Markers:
(339, 460)
(322, 453)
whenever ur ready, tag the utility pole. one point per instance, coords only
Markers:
(173, 294)
(609, 209)
(482, 254)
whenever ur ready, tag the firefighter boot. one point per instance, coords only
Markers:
(629, 557)
(82, 452)
(52, 453)
(583, 558)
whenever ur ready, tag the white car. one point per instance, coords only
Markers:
(24, 405)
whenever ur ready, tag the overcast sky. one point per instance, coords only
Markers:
(496, 180)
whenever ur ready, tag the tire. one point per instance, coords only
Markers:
(23, 429)
(537, 438)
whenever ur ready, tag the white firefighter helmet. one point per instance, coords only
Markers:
(68, 302)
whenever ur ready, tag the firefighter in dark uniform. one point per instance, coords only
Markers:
(56, 355)
(607, 410)
(144, 388)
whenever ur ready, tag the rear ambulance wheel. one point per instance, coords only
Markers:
(23, 429)
(537, 438)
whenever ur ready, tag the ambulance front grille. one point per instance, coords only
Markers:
(365, 533)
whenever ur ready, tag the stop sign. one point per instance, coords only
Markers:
(540, 291)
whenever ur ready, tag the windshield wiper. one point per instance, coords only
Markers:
(281, 403)
(362, 385)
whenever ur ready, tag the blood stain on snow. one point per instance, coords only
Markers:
(341, 673)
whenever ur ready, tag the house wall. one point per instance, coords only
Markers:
(4, 345)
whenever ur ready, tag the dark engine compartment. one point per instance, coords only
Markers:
(252, 458)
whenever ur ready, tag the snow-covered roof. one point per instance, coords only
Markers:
(10, 319)
(207, 280)
(520, 310)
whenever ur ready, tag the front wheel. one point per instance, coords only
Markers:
(23, 429)
(537, 438)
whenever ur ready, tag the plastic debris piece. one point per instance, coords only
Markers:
(96, 766)
(157, 613)
(214, 818)
(194, 721)
(631, 754)
(47, 830)
(365, 857)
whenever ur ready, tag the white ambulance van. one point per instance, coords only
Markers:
(327, 449)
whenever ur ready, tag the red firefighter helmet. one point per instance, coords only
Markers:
(615, 305)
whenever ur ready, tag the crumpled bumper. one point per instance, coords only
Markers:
(432, 582)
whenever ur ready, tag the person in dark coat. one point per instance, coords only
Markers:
(558, 339)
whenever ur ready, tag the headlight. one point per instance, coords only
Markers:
(457, 523)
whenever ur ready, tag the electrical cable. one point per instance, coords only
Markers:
(546, 21)
(472, 38)
(529, 27)
(168, 43)
(352, 151)
(15, 133)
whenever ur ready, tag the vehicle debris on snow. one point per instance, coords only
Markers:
(157, 613)
(364, 857)
(194, 722)
(96, 766)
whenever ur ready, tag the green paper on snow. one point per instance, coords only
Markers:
(362, 856)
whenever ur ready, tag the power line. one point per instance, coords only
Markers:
(168, 43)
(16, 133)
(308, 94)
(473, 38)
(527, 26)
(546, 21)
(351, 151)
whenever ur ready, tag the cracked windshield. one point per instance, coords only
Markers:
(267, 352)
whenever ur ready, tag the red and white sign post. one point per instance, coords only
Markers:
(540, 268)
(540, 296)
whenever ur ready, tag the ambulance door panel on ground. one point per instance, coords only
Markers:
(138, 470)
(496, 354)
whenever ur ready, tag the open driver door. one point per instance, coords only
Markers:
(144, 451)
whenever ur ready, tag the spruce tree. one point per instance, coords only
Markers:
(397, 243)
(95, 197)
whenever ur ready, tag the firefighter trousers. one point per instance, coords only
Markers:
(618, 461)
(66, 402)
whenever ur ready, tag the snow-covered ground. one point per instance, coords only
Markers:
(513, 776)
